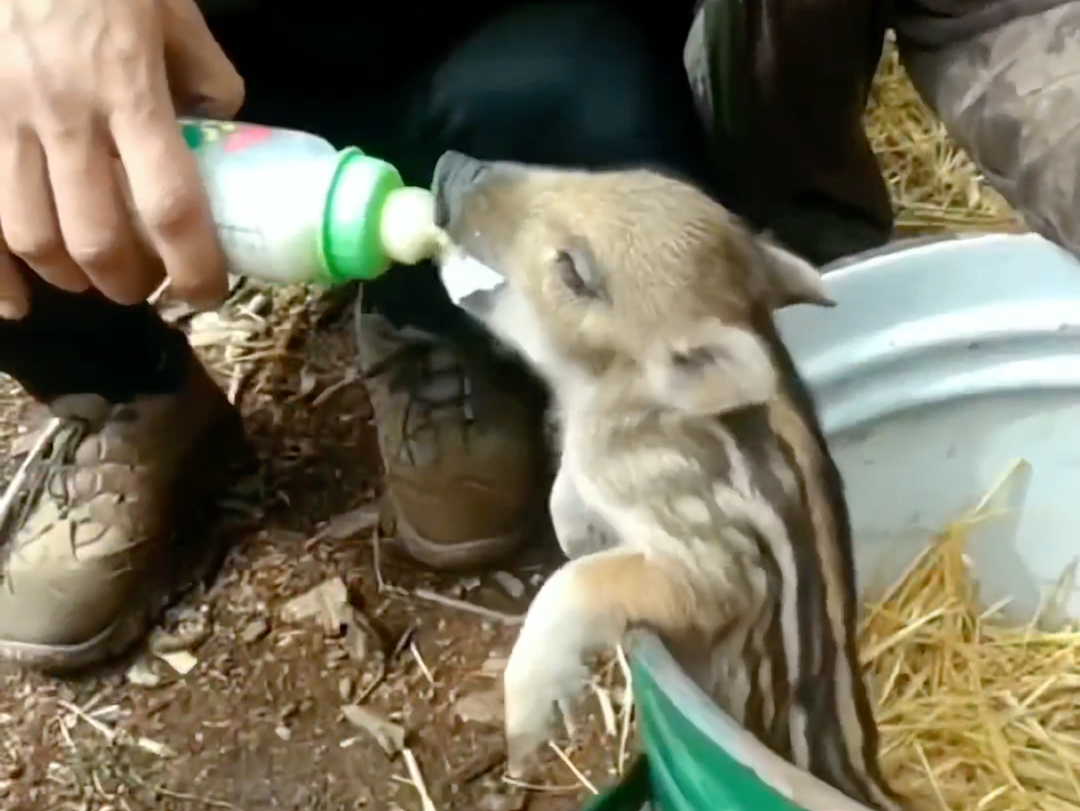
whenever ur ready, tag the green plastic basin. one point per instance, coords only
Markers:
(946, 361)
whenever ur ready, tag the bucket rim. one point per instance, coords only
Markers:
(803, 789)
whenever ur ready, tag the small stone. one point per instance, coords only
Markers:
(141, 675)
(483, 707)
(501, 802)
(255, 630)
(181, 661)
(283, 732)
(345, 688)
(328, 602)
(155, 748)
(357, 643)
(510, 584)
(260, 304)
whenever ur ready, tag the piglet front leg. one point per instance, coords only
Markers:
(585, 607)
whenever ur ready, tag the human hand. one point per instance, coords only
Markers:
(97, 187)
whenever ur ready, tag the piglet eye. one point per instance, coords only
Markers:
(696, 357)
(571, 276)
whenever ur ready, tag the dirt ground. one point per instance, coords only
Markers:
(281, 711)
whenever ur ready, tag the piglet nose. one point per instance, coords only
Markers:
(455, 174)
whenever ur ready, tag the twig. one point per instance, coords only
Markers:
(376, 551)
(415, 651)
(350, 377)
(376, 683)
(627, 708)
(104, 729)
(236, 383)
(511, 781)
(472, 608)
(417, 779)
(155, 297)
(384, 665)
(566, 710)
(180, 795)
(607, 710)
(570, 765)
(934, 785)
(96, 780)
(403, 641)
(18, 481)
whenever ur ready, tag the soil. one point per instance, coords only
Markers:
(258, 721)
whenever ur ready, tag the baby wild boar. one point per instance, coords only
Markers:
(688, 441)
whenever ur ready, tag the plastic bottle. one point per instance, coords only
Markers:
(289, 207)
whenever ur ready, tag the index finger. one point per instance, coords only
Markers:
(170, 199)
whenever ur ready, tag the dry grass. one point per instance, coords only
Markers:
(976, 713)
(934, 185)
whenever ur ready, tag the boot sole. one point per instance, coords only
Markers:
(455, 555)
(119, 637)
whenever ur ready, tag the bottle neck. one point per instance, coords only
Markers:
(351, 245)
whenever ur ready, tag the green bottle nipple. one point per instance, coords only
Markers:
(373, 220)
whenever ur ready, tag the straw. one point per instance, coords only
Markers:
(975, 713)
(934, 185)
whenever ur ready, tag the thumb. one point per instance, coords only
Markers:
(14, 294)
(202, 79)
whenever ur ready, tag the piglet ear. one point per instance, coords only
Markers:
(711, 368)
(784, 278)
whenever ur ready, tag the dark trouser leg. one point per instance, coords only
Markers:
(85, 344)
(1011, 97)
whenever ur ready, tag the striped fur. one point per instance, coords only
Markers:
(695, 493)
(746, 511)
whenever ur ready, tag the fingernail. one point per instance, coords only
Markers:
(13, 309)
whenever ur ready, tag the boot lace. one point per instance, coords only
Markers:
(435, 382)
(46, 471)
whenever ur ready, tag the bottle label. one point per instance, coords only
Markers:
(228, 136)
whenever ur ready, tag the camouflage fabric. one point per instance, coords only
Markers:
(1011, 98)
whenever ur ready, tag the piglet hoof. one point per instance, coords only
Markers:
(529, 711)
(521, 754)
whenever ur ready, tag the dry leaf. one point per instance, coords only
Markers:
(328, 602)
(390, 736)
